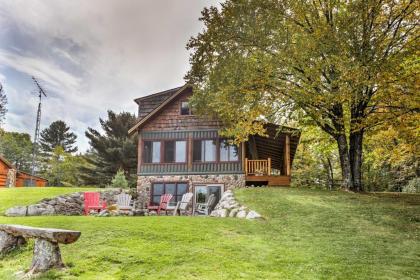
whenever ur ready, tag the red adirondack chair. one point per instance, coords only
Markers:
(92, 202)
(164, 201)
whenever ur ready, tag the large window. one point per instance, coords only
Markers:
(204, 150)
(151, 152)
(176, 189)
(175, 151)
(228, 152)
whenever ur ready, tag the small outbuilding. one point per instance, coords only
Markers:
(11, 177)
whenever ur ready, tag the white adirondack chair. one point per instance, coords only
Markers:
(204, 208)
(183, 204)
(124, 201)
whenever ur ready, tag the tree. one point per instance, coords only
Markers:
(3, 103)
(57, 134)
(111, 151)
(119, 180)
(17, 148)
(348, 65)
(63, 168)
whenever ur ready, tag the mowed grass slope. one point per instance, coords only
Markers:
(306, 235)
(10, 197)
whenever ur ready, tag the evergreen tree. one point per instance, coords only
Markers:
(112, 150)
(57, 134)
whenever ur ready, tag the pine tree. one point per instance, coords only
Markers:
(58, 134)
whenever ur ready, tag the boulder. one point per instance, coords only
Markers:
(233, 212)
(241, 214)
(16, 211)
(223, 213)
(253, 215)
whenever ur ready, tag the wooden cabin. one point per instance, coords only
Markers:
(181, 152)
(10, 177)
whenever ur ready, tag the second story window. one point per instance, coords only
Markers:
(175, 151)
(151, 152)
(204, 150)
(185, 108)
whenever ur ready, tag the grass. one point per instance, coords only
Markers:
(24, 196)
(307, 234)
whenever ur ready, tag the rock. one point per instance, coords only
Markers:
(16, 211)
(46, 256)
(233, 212)
(35, 210)
(241, 214)
(9, 242)
(253, 215)
(223, 213)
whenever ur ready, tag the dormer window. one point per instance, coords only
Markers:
(185, 108)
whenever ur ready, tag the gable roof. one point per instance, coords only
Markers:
(6, 162)
(173, 93)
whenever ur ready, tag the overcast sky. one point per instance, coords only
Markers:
(91, 56)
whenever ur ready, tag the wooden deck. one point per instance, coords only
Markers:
(260, 171)
(273, 180)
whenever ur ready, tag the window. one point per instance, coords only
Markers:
(204, 150)
(175, 151)
(185, 108)
(151, 152)
(176, 189)
(228, 152)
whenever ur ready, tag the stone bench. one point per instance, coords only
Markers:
(47, 253)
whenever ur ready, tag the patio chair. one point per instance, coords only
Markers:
(183, 204)
(163, 204)
(205, 208)
(124, 202)
(92, 202)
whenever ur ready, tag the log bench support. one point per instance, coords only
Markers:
(10, 242)
(47, 253)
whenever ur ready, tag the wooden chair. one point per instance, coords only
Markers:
(92, 202)
(204, 208)
(124, 202)
(183, 204)
(164, 202)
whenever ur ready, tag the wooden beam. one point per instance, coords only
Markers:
(190, 151)
(139, 152)
(286, 156)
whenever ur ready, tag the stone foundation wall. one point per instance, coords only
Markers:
(230, 181)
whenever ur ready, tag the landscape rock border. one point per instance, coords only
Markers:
(229, 207)
(69, 204)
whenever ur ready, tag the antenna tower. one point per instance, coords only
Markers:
(38, 123)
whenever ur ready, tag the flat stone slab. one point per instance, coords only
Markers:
(50, 234)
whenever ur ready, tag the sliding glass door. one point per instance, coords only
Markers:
(202, 192)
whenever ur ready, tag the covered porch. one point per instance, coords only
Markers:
(268, 160)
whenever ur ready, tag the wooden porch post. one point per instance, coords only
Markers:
(139, 150)
(269, 166)
(246, 167)
(287, 155)
(190, 151)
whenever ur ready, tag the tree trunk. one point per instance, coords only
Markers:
(343, 152)
(331, 173)
(355, 155)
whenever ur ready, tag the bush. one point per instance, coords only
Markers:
(119, 181)
(413, 186)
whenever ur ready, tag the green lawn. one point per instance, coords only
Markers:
(25, 196)
(307, 234)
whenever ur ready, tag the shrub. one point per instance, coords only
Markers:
(119, 181)
(413, 186)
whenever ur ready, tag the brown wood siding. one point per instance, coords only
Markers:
(148, 104)
(171, 119)
(3, 173)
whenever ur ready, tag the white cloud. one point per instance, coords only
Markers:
(94, 55)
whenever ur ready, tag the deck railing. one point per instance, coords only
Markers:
(258, 167)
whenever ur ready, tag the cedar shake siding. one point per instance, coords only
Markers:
(171, 119)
